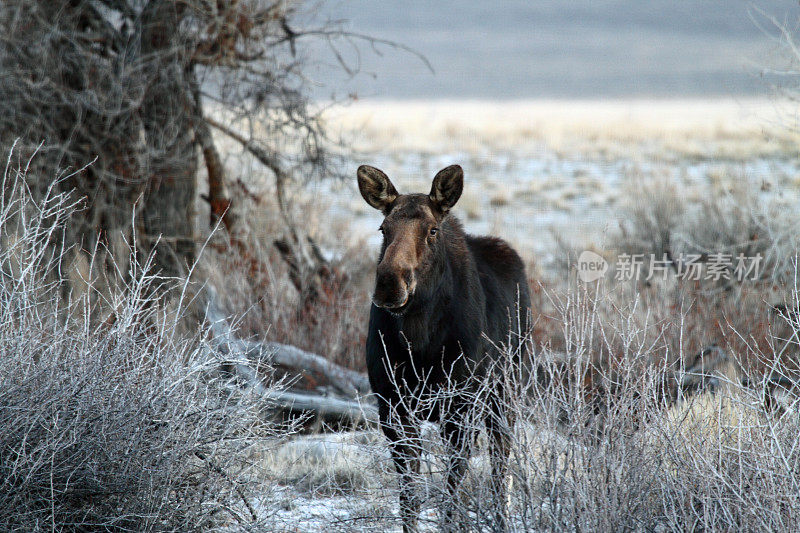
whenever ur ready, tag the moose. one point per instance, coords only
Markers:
(444, 313)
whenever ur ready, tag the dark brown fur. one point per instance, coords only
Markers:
(439, 294)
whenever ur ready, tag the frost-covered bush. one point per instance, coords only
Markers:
(109, 421)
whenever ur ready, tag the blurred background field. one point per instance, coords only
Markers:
(538, 171)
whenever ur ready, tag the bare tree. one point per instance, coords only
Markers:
(129, 84)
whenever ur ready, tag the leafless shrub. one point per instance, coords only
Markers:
(649, 226)
(733, 220)
(724, 272)
(108, 425)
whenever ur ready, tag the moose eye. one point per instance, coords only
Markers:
(434, 231)
(381, 230)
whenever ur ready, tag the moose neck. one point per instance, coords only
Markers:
(429, 319)
(426, 320)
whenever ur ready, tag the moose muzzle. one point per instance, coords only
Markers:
(394, 286)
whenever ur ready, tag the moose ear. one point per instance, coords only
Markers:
(447, 186)
(376, 188)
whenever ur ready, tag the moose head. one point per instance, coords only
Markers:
(412, 254)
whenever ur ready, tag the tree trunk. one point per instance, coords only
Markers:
(167, 209)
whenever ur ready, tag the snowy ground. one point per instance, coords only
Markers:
(346, 481)
(332, 482)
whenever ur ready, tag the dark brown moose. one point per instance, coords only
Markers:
(447, 312)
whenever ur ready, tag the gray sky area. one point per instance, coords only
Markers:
(557, 48)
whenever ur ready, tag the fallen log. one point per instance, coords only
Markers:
(351, 400)
(347, 382)
(327, 408)
(703, 371)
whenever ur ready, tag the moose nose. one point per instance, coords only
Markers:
(392, 286)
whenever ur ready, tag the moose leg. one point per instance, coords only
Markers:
(457, 438)
(404, 444)
(499, 426)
